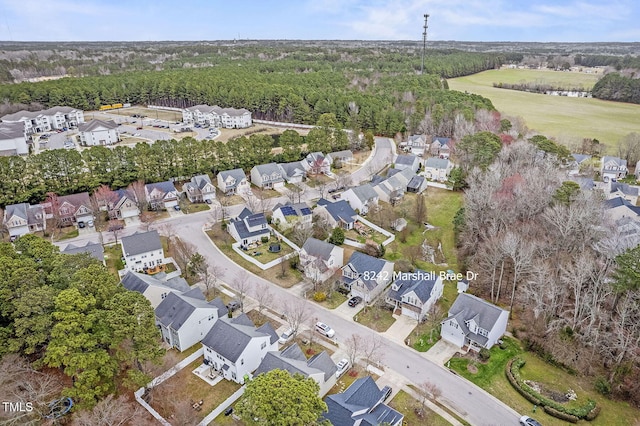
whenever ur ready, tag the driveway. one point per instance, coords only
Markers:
(441, 352)
(400, 329)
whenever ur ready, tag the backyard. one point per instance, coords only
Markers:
(113, 258)
(263, 252)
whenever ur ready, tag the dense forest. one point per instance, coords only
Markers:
(616, 87)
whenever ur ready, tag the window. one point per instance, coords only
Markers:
(264, 345)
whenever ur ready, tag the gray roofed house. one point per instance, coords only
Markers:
(267, 176)
(319, 259)
(95, 250)
(185, 318)
(249, 228)
(98, 132)
(288, 215)
(417, 144)
(293, 172)
(441, 147)
(319, 367)
(92, 125)
(70, 209)
(23, 218)
(613, 168)
(617, 208)
(57, 117)
(415, 293)
(474, 323)
(229, 118)
(142, 250)
(317, 163)
(361, 404)
(234, 347)
(340, 156)
(337, 214)
(361, 198)
(417, 184)
(154, 287)
(232, 181)
(161, 195)
(366, 276)
(437, 168)
(626, 191)
(13, 140)
(392, 189)
(200, 189)
(408, 161)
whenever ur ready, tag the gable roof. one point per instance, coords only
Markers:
(624, 188)
(420, 282)
(292, 169)
(200, 181)
(292, 359)
(95, 250)
(141, 242)
(365, 192)
(360, 263)
(416, 182)
(19, 210)
(340, 155)
(93, 125)
(248, 219)
(579, 158)
(298, 210)
(406, 160)
(441, 140)
(11, 130)
(268, 169)
(417, 138)
(340, 211)
(229, 337)
(467, 307)
(612, 162)
(76, 200)
(237, 174)
(318, 248)
(175, 309)
(436, 163)
(165, 187)
(135, 281)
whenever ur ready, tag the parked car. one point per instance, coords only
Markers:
(528, 421)
(208, 201)
(343, 366)
(386, 392)
(324, 329)
(81, 225)
(355, 301)
(90, 223)
(286, 336)
(234, 305)
(176, 208)
(139, 128)
(228, 411)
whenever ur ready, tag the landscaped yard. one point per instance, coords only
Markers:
(370, 234)
(188, 208)
(67, 233)
(265, 256)
(332, 301)
(491, 377)
(406, 404)
(223, 241)
(375, 317)
(424, 336)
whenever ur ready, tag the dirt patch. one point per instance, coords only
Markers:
(472, 368)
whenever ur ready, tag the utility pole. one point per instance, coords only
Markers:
(424, 41)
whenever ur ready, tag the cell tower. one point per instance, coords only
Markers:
(424, 41)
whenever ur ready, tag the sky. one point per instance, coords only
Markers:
(461, 20)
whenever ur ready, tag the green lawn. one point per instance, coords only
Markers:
(113, 258)
(406, 404)
(376, 318)
(265, 255)
(188, 208)
(352, 234)
(67, 233)
(331, 302)
(568, 119)
(577, 80)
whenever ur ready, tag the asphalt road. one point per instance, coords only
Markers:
(472, 403)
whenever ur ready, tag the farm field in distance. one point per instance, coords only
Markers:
(569, 120)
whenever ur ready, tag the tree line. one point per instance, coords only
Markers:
(616, 87)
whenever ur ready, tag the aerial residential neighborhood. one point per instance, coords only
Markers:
(340, 231)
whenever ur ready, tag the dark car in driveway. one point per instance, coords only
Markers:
(234, 305)
(355, 301)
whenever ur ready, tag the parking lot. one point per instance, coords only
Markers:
(54, 140)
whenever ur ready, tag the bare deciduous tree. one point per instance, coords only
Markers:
(110, 411)
(263, 296)
(296, 312)
(354, 346)
(301, 232)
(242, 286)
(136, 191)
(183, 251)
(372, 349)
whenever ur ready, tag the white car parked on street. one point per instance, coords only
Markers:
(324, 329)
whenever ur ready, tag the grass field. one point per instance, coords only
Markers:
(569, 120)
(577, 80)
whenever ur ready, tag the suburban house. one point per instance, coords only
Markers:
(267, 176)
(579, 160)
(94, 250)
(249, 228)
(626, 235)
(366, 276)
(415, 293)
(228, 118)
(474, 322)
(184, 319)
(613, 168)
(618, 189)
(233, 182)
(585, 183)
(23, 218)
(417, 184)
(437, 168)
(200, 189)
(417, 145)
(441, 147)
(289, 215)
(13, 140)
(234, 347)
(161, 195)
(142, 251)
(339, 158)
(317, 163)
(70, 209)
(98, 132)
(320, 367)
(361, 404)
(293, 172)
(320, 260)
(338, 214)
(618, 208)
(361, 198)
(392, 189)
(154, 287)
(407, 161)
(125, 206)
(54, 118)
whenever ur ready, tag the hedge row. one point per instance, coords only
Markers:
(588, 411)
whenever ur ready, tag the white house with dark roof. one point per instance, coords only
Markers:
(125, 206)
(184, 319)
(228, 118)
(23, 218)
(338, 214)
(407, 161)
(345, 156)
(615, 189)
(441, 147)
(415, 293)
(249, 228)
(613, 168)
(320, 367)
(142, 251)
(200, 189)
(417, 145)
(320, 260)
(154, 287)
(95, 250)
(474, 322)
(294, 172)
(54, 118)
(579, 160)
(361, 198)
(267, 176)
(161, 195)
(288, 215)
(437, 168)
(98, 132)
(392, 189)
(366, 276)
(13, 140)
(317, 163)
(234, 347)
(233, 182)
(361, 404)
